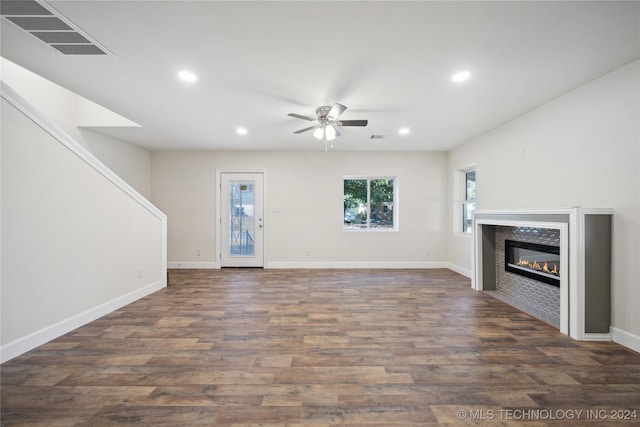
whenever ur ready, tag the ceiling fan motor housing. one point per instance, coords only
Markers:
(322, 112)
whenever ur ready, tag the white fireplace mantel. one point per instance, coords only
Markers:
(585, 233)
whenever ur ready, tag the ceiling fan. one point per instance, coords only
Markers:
(327, 121)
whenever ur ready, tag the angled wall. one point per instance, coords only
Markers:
(78, 117)
(77, 241)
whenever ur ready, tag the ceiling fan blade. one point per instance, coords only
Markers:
(299, 116)
(305, 129)
(335, 111)
(352, 122)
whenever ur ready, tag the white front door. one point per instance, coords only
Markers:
(241, 220)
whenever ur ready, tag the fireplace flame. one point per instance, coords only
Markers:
(535, 265)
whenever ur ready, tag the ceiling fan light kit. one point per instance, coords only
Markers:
(326, 122)
(330, 132)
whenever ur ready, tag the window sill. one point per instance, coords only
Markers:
(460, 234)
(370, 230)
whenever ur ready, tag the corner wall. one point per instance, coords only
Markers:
(582, 149)
(77, 242)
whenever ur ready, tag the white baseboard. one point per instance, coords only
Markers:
(22, 345)
(625, 338)
(590, 336)
(333, 264)
(193, 265)
(463, 271)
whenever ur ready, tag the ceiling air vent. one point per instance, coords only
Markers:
(42, 21)
(377, 136)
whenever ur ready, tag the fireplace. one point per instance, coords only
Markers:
(584, 294)
(533, 260)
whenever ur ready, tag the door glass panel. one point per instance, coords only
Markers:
(242, 217)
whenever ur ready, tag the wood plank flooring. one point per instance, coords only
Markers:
(249, 347)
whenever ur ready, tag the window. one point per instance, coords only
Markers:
(369, 203)
(469, 203)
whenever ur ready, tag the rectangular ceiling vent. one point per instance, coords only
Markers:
(49, 26)
(377, 136)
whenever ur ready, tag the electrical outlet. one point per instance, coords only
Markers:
(428, 252)
(308, 252)
(197, 252)
(140, 271)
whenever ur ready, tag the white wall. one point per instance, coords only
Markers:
(307, 189)
(77, 242)
(68, 111)
(131, 163)
(582, 149)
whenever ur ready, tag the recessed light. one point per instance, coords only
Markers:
(241, 131)
(404, 131)
(460, 76)
(187, 76)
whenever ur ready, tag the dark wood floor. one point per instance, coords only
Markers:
(248, 347)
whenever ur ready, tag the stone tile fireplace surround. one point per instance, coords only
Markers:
(527, 294)
(580, 306)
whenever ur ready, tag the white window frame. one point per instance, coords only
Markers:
(460, 201)
(396, 210)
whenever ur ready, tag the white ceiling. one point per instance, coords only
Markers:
(389, 62)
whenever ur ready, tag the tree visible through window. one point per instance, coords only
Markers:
(369, 203)
(469, 204)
